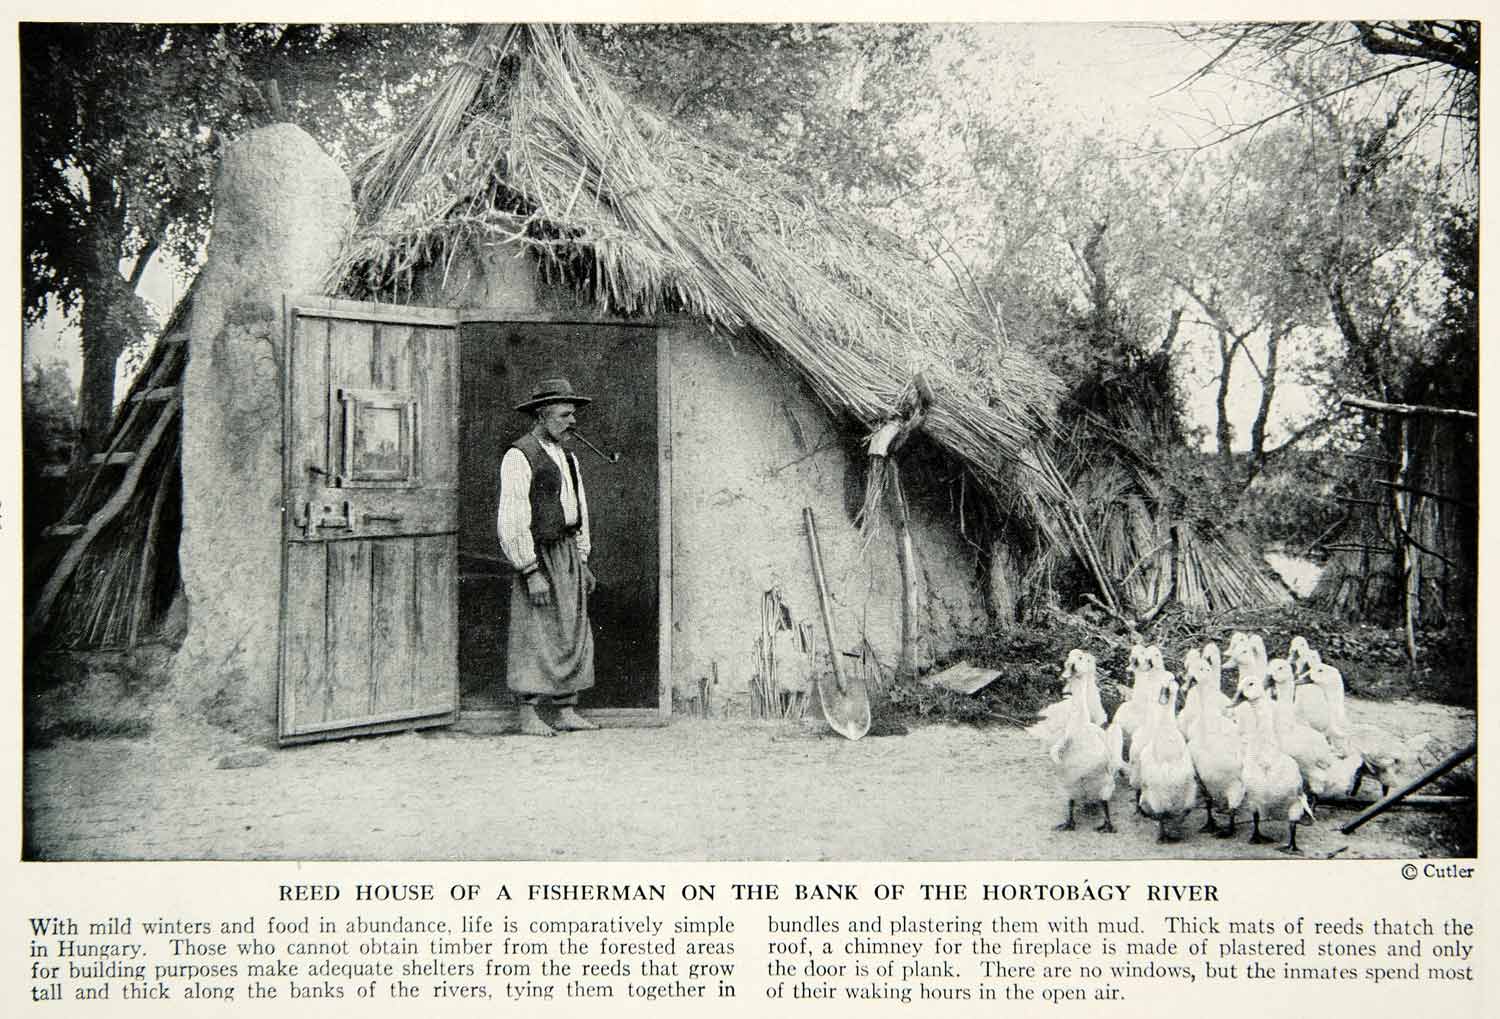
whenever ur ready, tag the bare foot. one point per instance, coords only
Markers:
(569, 720)
(532, 724)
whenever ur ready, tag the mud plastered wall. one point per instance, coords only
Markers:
(281, 208)
(750, 448)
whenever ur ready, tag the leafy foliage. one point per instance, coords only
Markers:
(123, 124)
(48, 414)
(831, 105)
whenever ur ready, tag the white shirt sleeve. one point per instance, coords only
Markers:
(585, 542)
(513, 517)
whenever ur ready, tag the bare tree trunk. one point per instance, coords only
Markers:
(1365, 351)
(103, 320)
(1223, 430)
(1267, 394)
(1173, 324)
(107, 317)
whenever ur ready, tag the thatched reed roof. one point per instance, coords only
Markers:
(529, 142)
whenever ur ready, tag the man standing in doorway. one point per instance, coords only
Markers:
(543, 520)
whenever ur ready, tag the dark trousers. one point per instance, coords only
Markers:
(562, 700)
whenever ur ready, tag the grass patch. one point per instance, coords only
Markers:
(1029, 660)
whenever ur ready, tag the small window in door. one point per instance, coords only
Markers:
(379, 438)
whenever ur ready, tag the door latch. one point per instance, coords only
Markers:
(326, 519)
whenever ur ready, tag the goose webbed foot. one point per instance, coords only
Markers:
(1210, 826)
(1256, 838)
(1227, 832)
(1107, 826)
(1357, 780)
(1291, 843)
(1162, 835)
(1067, 825)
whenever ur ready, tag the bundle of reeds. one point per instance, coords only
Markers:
(113, 599)
(781, 683)
(1129, 521)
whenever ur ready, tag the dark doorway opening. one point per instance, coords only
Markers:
(617, 365)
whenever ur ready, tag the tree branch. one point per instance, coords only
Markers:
(1422, 47)
(143, 258)
(1263, 121)
(1172, 325)
(1408, 409)
(1314, 428)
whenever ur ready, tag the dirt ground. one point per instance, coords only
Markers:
(693, 790)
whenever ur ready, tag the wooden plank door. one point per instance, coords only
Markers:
(369, 592)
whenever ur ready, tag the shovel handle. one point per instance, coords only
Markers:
(823, 601)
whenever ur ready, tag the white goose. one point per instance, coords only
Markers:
(1247, 653)
(1211, 676)
(1054, 716)
(1273, 784)
(1192, 697)
(1168, 783)
(1086, 766)
(1132, 711)
(1384, 755)
(1297, 653)
(1349, 759)
(1319, 704)
(1156, 675)
(1215, 745)
(1307, 746)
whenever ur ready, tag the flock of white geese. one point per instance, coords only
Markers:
(1273, 749)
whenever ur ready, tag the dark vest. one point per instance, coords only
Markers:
(547, 524)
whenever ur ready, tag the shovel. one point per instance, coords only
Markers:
(845, 699)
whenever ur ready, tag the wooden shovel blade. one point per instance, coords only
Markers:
(848, 712)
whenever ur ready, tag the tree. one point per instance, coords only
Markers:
(825, 103)
(122, 126)
(1374, 255)
(1437, 60)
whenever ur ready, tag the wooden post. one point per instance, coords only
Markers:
(1401, 506)
(1414, 801)
(1453, 761)
(824, 602)
(906, 667)
(1407, 409)
(101, 519)
(141, 607)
